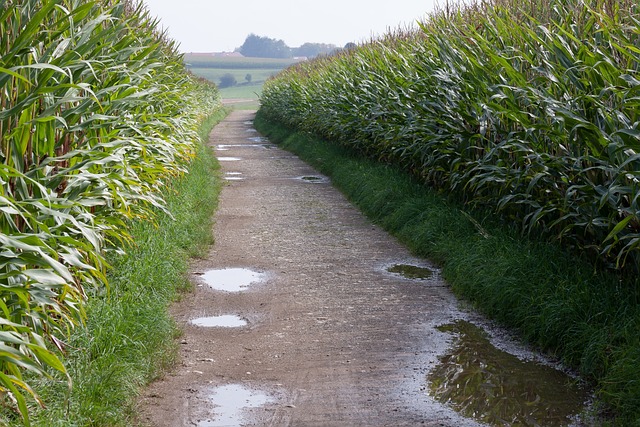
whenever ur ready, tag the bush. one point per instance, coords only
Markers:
(227, 80)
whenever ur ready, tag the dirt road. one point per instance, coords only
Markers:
(332, 338)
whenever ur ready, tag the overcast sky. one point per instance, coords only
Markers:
(223, 25)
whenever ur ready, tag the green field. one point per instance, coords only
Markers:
(213, 68)
(207, 61)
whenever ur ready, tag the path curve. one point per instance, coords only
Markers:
(333, 339)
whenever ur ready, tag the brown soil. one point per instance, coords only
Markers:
(333, 338)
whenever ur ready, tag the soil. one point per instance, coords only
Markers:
(332, 338)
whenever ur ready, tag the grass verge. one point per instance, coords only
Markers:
(561, 304)
(129, 339)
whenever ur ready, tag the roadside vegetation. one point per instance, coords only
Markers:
(130, 338)
(99, 125)
(516, 126)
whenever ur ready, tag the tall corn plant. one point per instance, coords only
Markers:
(530, 109)
(96, 112)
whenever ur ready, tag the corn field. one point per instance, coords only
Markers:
(528, 108)
(96, 113)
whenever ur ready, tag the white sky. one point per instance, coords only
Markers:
(223, 25)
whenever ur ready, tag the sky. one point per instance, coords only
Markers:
(223, 25)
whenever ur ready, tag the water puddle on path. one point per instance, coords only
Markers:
(225, 147)
(225, 321)
(258, 139)
(490, 385)
(233, 176)
(313, 179)
(230, 402)
(412, 272)
(232, 279)
(229, 159)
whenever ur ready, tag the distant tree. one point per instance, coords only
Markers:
(311, 50)
(227, 80)
(248, 78)
(264, 47)
(350, 45)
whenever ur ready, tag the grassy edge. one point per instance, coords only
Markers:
(129, 338)
(588, 319)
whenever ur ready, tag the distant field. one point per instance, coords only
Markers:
(203, 61)
(251, 91)
(260, 69)
(257, 75)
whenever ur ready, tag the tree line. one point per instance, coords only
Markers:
(265, 47)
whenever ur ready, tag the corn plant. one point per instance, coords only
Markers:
(529, 109)
(96, 113)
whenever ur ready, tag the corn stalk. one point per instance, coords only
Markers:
(529, 108)
(96, 113)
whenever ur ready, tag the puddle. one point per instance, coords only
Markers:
(248, 122)
(225, 147)
(251, 130)
(226, 321)
(230, 402)
(258, 139)
(232, 279)
(233, 176)
(313, 179)
(229, 159)
(411, 271)
(488, 384)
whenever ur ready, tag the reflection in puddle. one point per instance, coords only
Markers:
(490, 385)
(411, 271)
(313, 179)
(230, 401)
(224, 147)
(258, 139)
(228, 159)
(232, 279)
(226, 321)
(233, 176)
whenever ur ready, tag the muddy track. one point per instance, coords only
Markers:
(331, 337)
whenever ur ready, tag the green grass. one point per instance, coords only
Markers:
(252, 91)
(554, 300)
(245, 97)
(129, 338)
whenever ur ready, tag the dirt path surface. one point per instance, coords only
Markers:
(331, 337)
